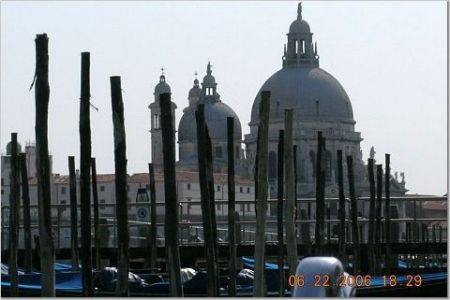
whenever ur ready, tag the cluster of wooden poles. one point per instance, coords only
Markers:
(286, 190)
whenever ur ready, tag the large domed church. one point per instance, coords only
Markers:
(319, 103)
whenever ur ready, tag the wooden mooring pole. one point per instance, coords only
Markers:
(98, 262)
(320, 196)
(261, 204)
(291, 241)
(28, 266)
(378, 224)
(387, 214)
(231, 208)
(371, 238)
(73, 213)
(14, 204)
(280, 201)
(85, 177)
(206, 205)
(42, 95)
(153, 227)
(354, 216)
(120, 164)
(342, 221)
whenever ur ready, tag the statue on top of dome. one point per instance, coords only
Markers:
(372, 152)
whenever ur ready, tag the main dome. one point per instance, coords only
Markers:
(313, 93)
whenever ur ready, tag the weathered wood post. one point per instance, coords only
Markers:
(378, 230)
(261, 204)
(206, 205)
(280, 230)
(291, 241)
(354, 216)
(320, 195)
(85, 176)
(26, 214)
(342, 243)
(328, 224)
(231, 208)
(73, 213)
(171, 201)
(297, 204)
(120, 164)
(42, 95)
(153, 227)
(98, 262)
(371, 241)
(387, 212)
(14, 204)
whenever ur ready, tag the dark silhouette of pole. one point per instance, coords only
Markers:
(153, 227)
(14, 203)
(371, 241)
(291, 241)
(85, 176)
(42, 95)
(120, 162)
(378, 230)
(73, 213)
(231, 208)
(342, 244)
(297, 204)
(320, 195)
(171, 201)
(28, 266)
(354, 216)
(98, 263)
(280, 182)
(261, 204)
(387, 213)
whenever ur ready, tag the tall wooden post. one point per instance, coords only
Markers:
(171, 218)
(206, 205)
(14, 204)
(73, 213)
(85, 178)
(280, 182)
(120, 163)
(354, 215)
(231, 208)
(328, 224)
(261, 204)
(378, 224)
(371, 242)
(387, 214)
(320, 195)
(291, 241)
(153, 227)
(26, 214)
(98, 263)
(42, 95)
(342, 244)
(297, 204)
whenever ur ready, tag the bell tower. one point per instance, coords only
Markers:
(155, 117)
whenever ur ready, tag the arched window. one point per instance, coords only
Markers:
(328, 165)
(296, 47)
(312, 159)
(272, 165)
(303, 47)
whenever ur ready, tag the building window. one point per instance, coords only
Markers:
(102, 188)
(241, 190)
(218, 188)
(3, 182)
(189, 186)
(63, 201)
(303, 47)
(155, 121)
(63, 190)
(248, 190)
(102, 201)
(219, 153)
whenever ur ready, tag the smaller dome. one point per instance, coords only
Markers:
(162, 86)
(299, 26)
(9, 148)
(196, 91)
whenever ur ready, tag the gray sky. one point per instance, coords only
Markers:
(389, 56)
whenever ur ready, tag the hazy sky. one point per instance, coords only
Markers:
(389, 56)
